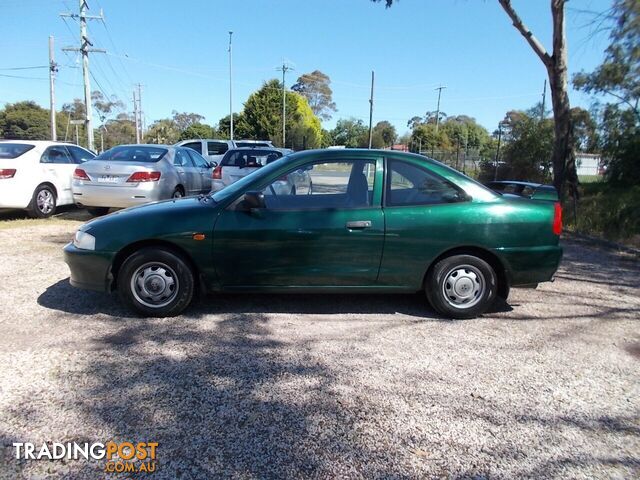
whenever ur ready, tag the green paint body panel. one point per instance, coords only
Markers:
(312, 250)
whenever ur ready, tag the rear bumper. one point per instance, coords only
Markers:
(14, 195)
(90, 270)
(119, 196)
(530, 265)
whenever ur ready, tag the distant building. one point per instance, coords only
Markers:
(588, 164)
(399, 147)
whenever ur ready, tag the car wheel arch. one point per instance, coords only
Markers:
(50, 185)
(498, 265)
(127, 251)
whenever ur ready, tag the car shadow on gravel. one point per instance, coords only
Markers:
(228, 402)
(63, 297)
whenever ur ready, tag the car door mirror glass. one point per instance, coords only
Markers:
(253, 200)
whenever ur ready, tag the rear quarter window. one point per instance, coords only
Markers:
(14, 150)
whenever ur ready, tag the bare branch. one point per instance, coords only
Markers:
(535, 44)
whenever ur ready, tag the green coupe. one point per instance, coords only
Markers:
(368, 221)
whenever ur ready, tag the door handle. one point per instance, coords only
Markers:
(359, 225)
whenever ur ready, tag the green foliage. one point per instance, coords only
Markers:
(184, 120)
(528, 146)
(197, 130)
(350, 133)
(163, 131)
(239, 126)
(117, 131)
(262, 118)
(386, 132)
(618, 78)
(315, 87)
(609, 211)
(25, 121)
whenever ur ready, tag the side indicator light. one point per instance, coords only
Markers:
(199, 236)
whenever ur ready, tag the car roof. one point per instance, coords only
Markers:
(182, 142)
(519, 182)
(41, 143)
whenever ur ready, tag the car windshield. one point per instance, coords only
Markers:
(133, 153)
(241, 184)
(14, 150)
(249, 158)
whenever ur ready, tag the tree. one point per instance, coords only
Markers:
(239, 126)
(197, 130)
(387, 133)
(25, 121)
(184, 120)
(315, 87)
(262, 117)
(350, 133)
(163, 131)
(119, 130)
(618, 78)
(564, 162)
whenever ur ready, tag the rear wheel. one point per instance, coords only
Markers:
(156, 282)
(43, 202)
(177, 193)
(461, 286)
(97, 211)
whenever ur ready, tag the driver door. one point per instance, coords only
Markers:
(329, 236)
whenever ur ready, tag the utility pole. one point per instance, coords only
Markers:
(135, 115)
(85, 48)
(140, 113)
(495, 175)
(440, 88)
(544, 99)
(371, 110)
(285, 69)
(231, 88)
(53, 68)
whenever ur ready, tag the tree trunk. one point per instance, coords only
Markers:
(563, 157)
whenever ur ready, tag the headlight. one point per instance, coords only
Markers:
(84, 241)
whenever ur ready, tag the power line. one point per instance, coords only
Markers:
(25, 68)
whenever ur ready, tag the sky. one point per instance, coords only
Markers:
(178, 51)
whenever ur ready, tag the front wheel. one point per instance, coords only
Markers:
(461, 286)
(156, 282)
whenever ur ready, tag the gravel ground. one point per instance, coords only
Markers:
(264, 386)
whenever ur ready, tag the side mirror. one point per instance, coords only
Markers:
(253, 200)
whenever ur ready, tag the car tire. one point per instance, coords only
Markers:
(43, 202)
(97, 211)
(461, 286)
(177, 193)
(156, 282)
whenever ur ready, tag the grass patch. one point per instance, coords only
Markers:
(607, 211)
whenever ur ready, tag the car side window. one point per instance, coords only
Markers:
(195, 146)
(56, 154)
(181, 159)
(217, 148)
(323, 185)
(199, 161)
(80, 155)
(408, 184)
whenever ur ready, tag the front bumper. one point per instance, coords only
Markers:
(90, 270)
(90, 195)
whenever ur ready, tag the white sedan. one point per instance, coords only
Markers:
(35, 175)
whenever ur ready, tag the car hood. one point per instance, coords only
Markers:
(159, 220)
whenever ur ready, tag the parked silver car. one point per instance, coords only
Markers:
(240, 162)
(131, 175)
(213, 150)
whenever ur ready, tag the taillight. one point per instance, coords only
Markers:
(80, 174)
(557, 219)
(144, 177)
(217, 173)
(7, 173)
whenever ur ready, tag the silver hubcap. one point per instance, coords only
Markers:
(45, 202)
(463, 286)
(154, 285)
